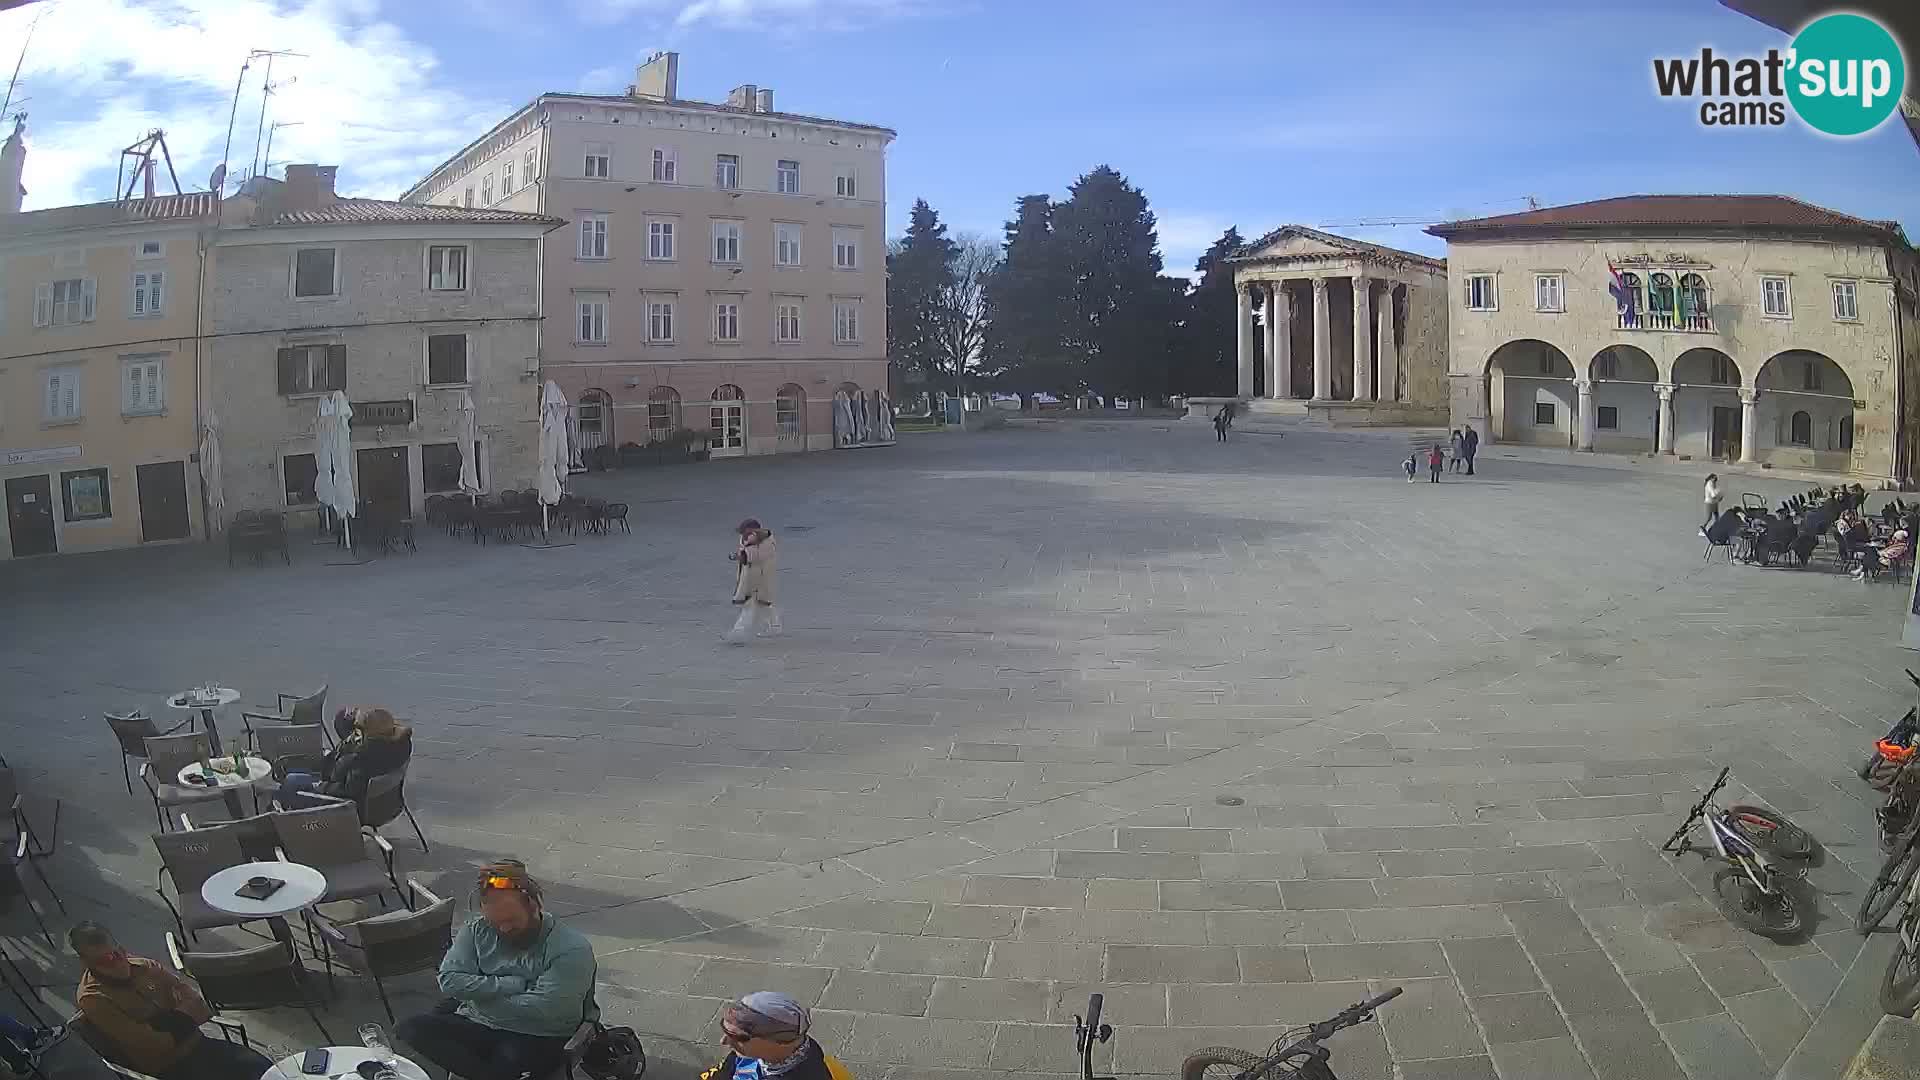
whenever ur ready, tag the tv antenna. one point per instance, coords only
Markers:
(142, 155)
(7, 104)
(266, 159)
(233, 113)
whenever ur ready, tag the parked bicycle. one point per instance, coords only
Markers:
(1088, 1033)
(1892, 884)
(1298, 1053)
(1900, 987)
(1751, 890)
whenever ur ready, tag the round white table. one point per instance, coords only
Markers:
(303, 886)
(204, 703)
(247, 772)
(341, 1063)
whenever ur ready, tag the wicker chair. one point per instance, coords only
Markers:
(395, 943)
(263, 977)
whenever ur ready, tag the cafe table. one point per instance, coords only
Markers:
(341, 1063)
(304, 885)
(205, 700)
(247, 772)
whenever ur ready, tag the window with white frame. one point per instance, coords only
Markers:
(447, 267)
(660, 319)
(726, 171)
(846, 321)
(599, 162)
(843, 183)
(1846, 300)
(530, 159)
(315, 273)
(1480, 293)
(1549, 293)
(143, 385)
(786, 321)
(148, 293)
(786, 177)
(62, 395)
(1775, 300)
(447, 360)
(506, 178)
(591, 326)
(593, 236)
(726, 241)
(466, 199)
(846, 249)
(726, 320)
(666, 166)
(786, 243)
(486, 191)
(63, 303)
(659, 238)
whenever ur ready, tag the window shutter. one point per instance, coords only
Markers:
(286, 359)
(153, 291)
(42, 305)
(69, 387)
(86, 300)
(139, 294)
(53, 396)
(132, 394)
(153, 385)
(336, 367)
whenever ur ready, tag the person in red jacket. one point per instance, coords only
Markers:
(1435, 459)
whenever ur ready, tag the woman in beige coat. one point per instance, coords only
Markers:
(756, 560)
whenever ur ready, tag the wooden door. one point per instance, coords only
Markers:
(383, 482)
(30, 515)
(163, 501)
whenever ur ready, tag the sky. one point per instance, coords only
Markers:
(1254, 115)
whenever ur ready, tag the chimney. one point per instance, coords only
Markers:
(13, 162)
(658, 78)
(308, 187)
(766, 101)
(742, 97)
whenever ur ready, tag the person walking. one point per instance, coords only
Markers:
(1457, 456)
(1412, 465)
(1711, 493)
(1470, 445)
(756, 559)
(1434, 458)
(1222, 421)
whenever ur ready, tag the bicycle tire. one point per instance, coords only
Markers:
(1773, 916)
(1900, 987)
(1888, 886)
(1772, 831)
(1196, 1064)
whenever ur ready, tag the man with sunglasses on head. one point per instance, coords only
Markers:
(518, 981)
(766, 1037)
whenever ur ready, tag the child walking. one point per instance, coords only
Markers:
(1434, 459)
(755, 561)
(1411, 465)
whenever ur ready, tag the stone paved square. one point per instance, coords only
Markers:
(1237, 733)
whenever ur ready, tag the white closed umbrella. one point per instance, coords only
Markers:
(574, 464)
(553, 447)
(468, 430)
(323, 453)
(340, 432)
(210, 472)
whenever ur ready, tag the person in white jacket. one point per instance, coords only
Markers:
(1712, 495)
(756, 560)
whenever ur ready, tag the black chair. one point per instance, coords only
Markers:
(187, 859)
(13, 886)
(263, 977)
(618, 512)
(393, 943)
(133, 729)
(10, 798)
(386, 800)
(293, 709)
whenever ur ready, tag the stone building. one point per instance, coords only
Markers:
(404, 307)
(726, 266)
(1349, 332)
(99, 373)
(1753, 328)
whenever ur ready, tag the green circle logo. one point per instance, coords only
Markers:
(1845, 74)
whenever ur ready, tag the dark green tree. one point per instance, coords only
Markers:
(919, 276)
(1025, 304)
(1208, 361)
(1118, 309)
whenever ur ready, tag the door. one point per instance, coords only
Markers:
(1725, 441)
(728, 434)
(383, 482)
(163, 501)
(30, 515)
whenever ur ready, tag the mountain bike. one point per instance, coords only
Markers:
(1298, 1053)
(1751, 890)
(1900, 988)
(1890, 885)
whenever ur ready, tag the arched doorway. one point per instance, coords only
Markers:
(848, 415)
(663, 413)
(1626, 414)
(727, 422)
(1707, 418)
(594, 417)
(1803, 418)
(790, 418)
(1530, 397)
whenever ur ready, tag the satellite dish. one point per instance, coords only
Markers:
(219, 178)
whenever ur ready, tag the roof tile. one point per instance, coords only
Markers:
(1655, 211)
(385, 211)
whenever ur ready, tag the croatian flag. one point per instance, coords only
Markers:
(1622, 295)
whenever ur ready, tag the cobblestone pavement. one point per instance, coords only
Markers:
(1236, 734)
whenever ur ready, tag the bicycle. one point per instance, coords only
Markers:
(1751, 890)
(1297, 1053)
(1890, 885)
(1088, 1033)
(1900, 987)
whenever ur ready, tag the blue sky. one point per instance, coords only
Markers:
(1254, 115)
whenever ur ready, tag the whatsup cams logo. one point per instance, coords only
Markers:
(1842, 75)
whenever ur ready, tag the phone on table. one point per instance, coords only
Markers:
(316, 1061)
(259, 888)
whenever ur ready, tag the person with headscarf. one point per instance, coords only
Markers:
(756, 559)
(766, 1037)
(371, 743)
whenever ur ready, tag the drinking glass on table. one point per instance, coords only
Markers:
(375, 1040)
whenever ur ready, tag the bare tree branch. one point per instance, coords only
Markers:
(963, 309)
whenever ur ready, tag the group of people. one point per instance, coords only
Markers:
(518, 983)
(1465, 443)
(1795, 529)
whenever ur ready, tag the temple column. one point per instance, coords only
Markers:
(1665, 390)
(1322, 342)
(1279, 342)
(1583, 415)
(1243, 311)
(1395, 389)
(1362, 339)
(1747, 399)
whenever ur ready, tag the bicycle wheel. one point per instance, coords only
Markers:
(1225, 1063)
(1888, 886)
(1770, 915)
(1771, 831)
(1900, 989)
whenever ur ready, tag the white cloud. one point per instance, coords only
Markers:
(1185, 236)
(366, 96)
(778, 16)
(603, 80)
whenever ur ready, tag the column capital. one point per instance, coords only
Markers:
(1584, 386)
(1319, 284)
(1748, 395)
(1664, 390)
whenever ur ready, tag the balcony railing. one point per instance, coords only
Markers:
(1665, 320)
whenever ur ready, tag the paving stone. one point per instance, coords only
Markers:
(1546, 927)
(1429, 924)
(1464, 889)
(1733, 971)
(1155, 927)
(1773, 1021)
(1383, 960)
(1465, 1068)
(1025, 1050)
(1045, 960)
(1123, 894)
(1585, 982)
(929, 956)
(1025, 891)
(1274, 963)
(1338, 865)
(1674, 994)
(1219, 896)
(1415, 838)
(880, 916)
(991, 999)
(1172, 964)
(724, 978)
(1600, 806)
(1547, 1059)
(1624, 1046)
(1154, 866)
(972, 921)
(1260, 1003)
(1318, 895)
(1126, 1004)
(921, 1042)
(1491, 965)
(878, 992)
(1810, 979)
(1713, 1048)
(1430, 1020)
(1510, 1018)
(1176, 840)
(1280, 927)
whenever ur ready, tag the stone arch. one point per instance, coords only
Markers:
(790, 417)
(1803, 415)
(593, 417)
(1708, 414)
(663, 413)
(727, 422)
(1626, 411)
(1530, 395)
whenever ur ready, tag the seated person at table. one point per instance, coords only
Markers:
(1724, 527)
(372, 743)
(1875, 559)
(519, 983)
(1779, 535)
(150, 1016)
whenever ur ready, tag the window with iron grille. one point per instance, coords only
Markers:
(1543, 413)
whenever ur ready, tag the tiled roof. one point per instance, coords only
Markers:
(1757, 212)
(387, 212)
(182, 207)
(708, 106)
(1249, 251)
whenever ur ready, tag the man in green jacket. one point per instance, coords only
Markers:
(518, 983)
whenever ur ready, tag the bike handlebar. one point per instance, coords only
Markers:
(1373, 1003)
(1915, 678)
(1353, 1014)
